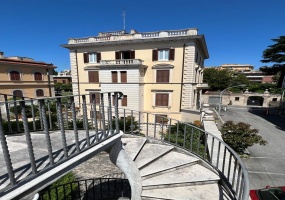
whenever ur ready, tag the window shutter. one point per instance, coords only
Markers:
(132, 54)
(114, 77)
(91, 76)
(123, 76)
(96, 76)
(158, 100)
(125, 101)
(165, 76)
(165, 100)
(154, 55)
(86, 58)
(98, 57)
(97, 98)
(171, 54)
(117, 55)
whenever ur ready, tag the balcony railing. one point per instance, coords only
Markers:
(121, 62)
(202, 85)
(136, 36)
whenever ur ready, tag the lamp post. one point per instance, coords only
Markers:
(220, 99)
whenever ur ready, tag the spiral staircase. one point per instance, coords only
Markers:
(169, 172)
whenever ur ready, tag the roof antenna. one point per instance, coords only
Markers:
(124, 20)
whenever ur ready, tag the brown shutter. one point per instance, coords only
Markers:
(114, 77)
(165, 100)
(86, 58)
(154, 55)
(96, 77)
(132, 54)
(98, 57)
(123, 76)
(171, 54)
(158, 76)
(165, 76)
(91, 76)
(125, 101)
(97, 98)
(117, 55)
(158, 99)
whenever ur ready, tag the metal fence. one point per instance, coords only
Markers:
(99, 188)
(45, 116)
(99, 121)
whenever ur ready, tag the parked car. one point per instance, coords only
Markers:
(268, 193)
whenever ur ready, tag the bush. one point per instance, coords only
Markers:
(55, 191)
(197, 136)
(240, 136)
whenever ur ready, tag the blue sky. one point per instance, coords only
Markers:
(236, 31)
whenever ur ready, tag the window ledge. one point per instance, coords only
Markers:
(161, 107)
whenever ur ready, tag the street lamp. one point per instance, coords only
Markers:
(220, 99)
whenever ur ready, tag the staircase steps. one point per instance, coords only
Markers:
(171, 174)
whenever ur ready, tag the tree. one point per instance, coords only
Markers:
(275, 54)
(217, 79)
(240, 136)
(239, 79)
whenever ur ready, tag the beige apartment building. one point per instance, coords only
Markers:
(24, 77)
(158, 72)
(237, 67)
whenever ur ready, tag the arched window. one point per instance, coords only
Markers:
(38, 76)
(15, 76)
(40, 93)
(18, 93)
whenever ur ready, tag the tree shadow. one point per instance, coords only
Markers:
(271, 115)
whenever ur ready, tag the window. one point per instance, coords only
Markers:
(161, 119)
(64, 81)
(274, 99)
(163, 54)
(162, 76)
(55, 81)
(39, 93)
(15, 76)
(236, 98)
(125, 101)
(92, 57)
(93, 76)
(38, 76)
(96, 97)
(123, 76)
(114, 77)
(161, 99)
(18, 93)
(124, 55)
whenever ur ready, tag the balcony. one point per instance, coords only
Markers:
(121, 62)
(121, 36)
(202, 86)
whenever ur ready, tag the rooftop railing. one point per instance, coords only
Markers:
(121, 36)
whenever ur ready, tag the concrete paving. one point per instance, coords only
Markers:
(266, 164)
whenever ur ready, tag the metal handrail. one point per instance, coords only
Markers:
(212, 150)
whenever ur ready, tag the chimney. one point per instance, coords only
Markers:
(1, 54)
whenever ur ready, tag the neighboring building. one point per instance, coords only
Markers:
(24, 77)
(237, 67)
(249, 72)
(158, 72)
(63, 77)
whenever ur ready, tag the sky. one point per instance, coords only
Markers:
(236, 31)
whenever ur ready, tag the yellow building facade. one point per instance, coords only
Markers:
(24, 77)
(158, 72)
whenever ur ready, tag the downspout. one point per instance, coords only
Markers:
(49, 87)
(77, 76)
(182, 76)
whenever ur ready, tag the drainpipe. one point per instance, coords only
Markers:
(77, 77)
(49, 87)
(182, 76)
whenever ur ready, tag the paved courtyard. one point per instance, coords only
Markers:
(266, 165)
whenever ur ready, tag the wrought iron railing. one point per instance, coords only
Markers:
(99, 122)
(214, 151)
(99, 188)
(55, 115)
